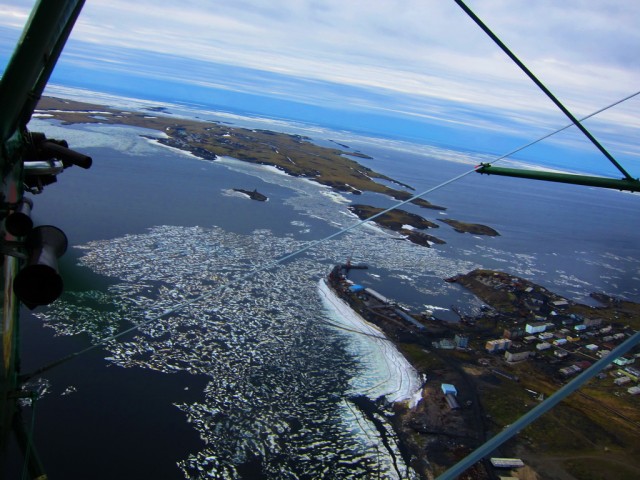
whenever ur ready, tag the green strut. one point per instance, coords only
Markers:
(630, 184)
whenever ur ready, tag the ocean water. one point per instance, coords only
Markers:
(251, 380)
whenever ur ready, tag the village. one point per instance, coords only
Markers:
(488, 369)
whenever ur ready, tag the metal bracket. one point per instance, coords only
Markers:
(14, 249)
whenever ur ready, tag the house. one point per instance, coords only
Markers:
(622, 361)
(568, 371)
(447, 389)
(462, 341)
(497, 345)
(450, 393)
(592, 322)
(506, 462)
(622, 381)
(517, 357)
(634, 390)
(513, 333)
(536, 327)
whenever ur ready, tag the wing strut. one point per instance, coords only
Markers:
(627, 183)
(31, 160)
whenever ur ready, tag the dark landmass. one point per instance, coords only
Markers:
(474, 228)
(158, 110)
(293, 154)
(592, 434)
(397, 220)
(253, 194)
(359, 155)
(394, 219)
(421, 238)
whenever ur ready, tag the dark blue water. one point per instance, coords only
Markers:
(556, 229)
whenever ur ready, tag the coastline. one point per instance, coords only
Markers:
(293, 154)
(393, 376)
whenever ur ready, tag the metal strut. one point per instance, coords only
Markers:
(632, 181)
(629, 184)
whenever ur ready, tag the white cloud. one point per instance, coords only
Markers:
(423, 48)
(417, 54)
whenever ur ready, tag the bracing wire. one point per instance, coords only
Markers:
(274, 263)
(542, 87)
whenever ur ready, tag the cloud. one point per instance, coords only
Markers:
(422, 59)
(424, 48)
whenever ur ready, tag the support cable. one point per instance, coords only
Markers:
(218, 290)
(535, 80)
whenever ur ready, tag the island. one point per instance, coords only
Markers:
(407, 223)
(295, 155)
(252, 194)
(474, 228)
(492, 366)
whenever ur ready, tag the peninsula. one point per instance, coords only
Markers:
(493, 366)
(293, 154)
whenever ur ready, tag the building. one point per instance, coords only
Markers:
(450, 393)
(580, 328)
(591, 347)
(498, 345)
(461, 341)
(513, 333)
(537, 327)
(444, 344)
(560, 341)
(622, 381)
(568, 371)
(622, 361)
(634, 390)
(634, 373)
(377, 296)
(447, 389)
(543, 346)
(592, 322)
(506, 462)
(517, 357)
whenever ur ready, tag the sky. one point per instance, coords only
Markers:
(419, 70)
